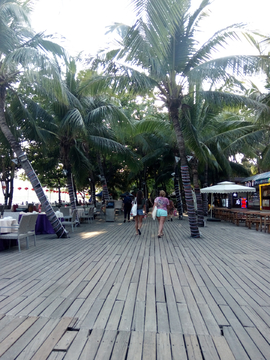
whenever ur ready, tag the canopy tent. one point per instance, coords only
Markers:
(226, 187)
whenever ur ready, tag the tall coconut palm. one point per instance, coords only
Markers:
(24, 56)
(160, 51)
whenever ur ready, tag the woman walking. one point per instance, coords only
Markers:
(140, 208)
(162, 203)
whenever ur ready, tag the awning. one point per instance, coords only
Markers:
(227, 187)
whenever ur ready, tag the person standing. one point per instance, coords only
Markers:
(162, 204)
(127, 207)
(140, 209)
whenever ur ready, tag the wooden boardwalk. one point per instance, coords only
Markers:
(105, 293)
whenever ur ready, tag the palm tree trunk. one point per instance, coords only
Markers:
(71, 189)
(105, 192)
(92, 187)
(205, 196)
(185, 172)
(179, 204)
(29, 171)
(198, 194)
(178, 198)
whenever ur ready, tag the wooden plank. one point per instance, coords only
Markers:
(48, 345)
(77, 345)
(89, 320)
(9, 324)
(23, 341)
(141, 293)
(92, 345)
(38, 340)
(179, 296)
(57, 355)
(74, 307)
(163, 346)
(139, 316)
(193, 347)
(151, 271)
(150, 310)
(178, 347)
(162, 318)
(16, 334)
(195, 314)
(210, 322)
(115, 316)
(223, 348)
(135, 346)
(242, 334)
(160, 296)
(260, 341)
(105, 312)
(235, 345)
(127, 315)
(208, 348)
(149, 346)
(121, 346)
(185, 319)
(66, 340)
(174, 321)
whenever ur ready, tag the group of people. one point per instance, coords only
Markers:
(164, 206)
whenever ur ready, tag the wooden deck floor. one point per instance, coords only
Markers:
(105, 293)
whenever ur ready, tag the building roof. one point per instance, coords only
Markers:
(259, 178)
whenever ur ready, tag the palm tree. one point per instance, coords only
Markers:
(160, 51)
(24, 56)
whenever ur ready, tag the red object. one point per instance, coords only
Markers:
(243, 203)
(47, 190)
(19, 188)
(33, 189)
(3, 187)
(26, 188)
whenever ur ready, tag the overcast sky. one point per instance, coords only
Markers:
(83, 22)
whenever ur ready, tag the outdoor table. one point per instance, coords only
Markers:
(7, 221)
(43, 225)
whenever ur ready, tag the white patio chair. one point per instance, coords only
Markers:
(18, 232)
(73, 221)
(66, 213)
(32, 226)
(88, 215)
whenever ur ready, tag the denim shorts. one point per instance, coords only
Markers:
(139, 211)
(161, 212)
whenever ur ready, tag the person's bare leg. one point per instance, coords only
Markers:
(136, 224)
(140, 222)
(161, 224)
(158, 224)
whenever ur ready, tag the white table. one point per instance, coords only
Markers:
(7, 221)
